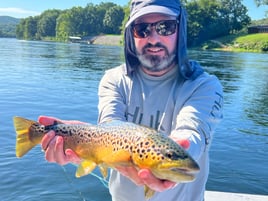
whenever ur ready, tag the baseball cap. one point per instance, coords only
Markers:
(139, 8)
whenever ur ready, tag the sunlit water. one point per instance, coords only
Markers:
(59, 79)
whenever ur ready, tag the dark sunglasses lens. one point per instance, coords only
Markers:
(163, 28)
(141, 30)
(166, 28)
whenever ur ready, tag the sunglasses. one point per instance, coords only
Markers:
(162, 28)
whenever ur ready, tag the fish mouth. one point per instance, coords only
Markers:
(176, 174)
(185, 171)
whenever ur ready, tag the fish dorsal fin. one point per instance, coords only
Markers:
(85, 167)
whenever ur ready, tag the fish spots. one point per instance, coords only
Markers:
(146, 146)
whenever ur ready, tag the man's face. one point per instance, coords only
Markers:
(156, 52)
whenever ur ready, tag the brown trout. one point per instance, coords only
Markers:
(114, 144)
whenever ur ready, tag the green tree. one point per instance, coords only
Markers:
(69, 23)
(63, 26)
(93, 16)
(208, 19)
(127, 13)
(20, 29)
(113, 19)
(234, 14)
(46, 26)
(203, 21)
(102, 8)
(30, 28)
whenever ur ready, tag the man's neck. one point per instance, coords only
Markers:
(158, 73)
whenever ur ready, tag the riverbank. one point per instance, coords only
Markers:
(115, 40)
(239, 43)
(236, 43)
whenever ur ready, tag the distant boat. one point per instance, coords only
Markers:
(75, 39)
(85, 39)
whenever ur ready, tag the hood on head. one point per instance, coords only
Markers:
(138, 8)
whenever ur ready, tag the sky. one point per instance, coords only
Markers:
(26, 8)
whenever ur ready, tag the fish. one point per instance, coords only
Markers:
(113, 144)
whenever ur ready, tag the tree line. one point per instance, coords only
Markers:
(60, 24)
(207, 19)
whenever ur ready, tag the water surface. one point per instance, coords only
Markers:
(61, 80)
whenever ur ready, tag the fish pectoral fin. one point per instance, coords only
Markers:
(85, 167)
(103, 170)
(148, 192)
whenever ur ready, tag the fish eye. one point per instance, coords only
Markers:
(170, 154)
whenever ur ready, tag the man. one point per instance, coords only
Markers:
(159, 87)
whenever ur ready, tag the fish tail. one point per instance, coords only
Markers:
(25, 142)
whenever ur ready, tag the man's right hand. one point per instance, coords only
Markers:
(53, 145)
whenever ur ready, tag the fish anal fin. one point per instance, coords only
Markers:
(85, 167)
(103, 170)
(148, 192)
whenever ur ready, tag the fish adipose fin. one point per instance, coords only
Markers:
(24, 143)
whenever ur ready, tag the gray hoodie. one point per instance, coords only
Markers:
(185, 103)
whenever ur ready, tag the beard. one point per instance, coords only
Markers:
(155, 63)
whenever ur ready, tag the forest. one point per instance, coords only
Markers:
(207, 19)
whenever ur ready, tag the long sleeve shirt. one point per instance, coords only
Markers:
(183, 109)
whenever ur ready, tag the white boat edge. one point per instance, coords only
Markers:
(226, 196)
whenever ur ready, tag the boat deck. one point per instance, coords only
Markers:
(225, 196)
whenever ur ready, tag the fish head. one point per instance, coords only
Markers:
(175, 165)
(166, 159)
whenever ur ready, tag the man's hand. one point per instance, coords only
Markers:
(145, 177)
(53, 145)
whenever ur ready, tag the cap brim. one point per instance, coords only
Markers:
(152, 9)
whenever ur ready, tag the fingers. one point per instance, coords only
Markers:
(145, 177)
(45, 120)
(185, 143)
(54, 150)
(54, 145)
(154, 183)
(72, 157)
(131, 173)
(47, 139)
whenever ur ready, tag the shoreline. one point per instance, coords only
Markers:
(117, 40)
(114, 40)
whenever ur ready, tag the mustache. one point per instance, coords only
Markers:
(157, 45)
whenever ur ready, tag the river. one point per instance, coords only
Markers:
(61, 80)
